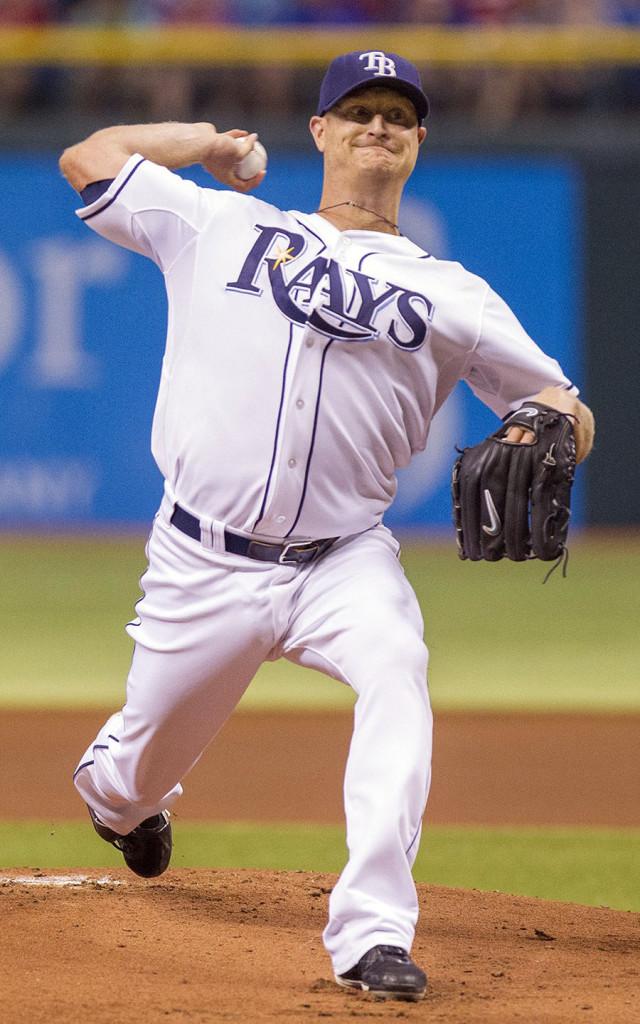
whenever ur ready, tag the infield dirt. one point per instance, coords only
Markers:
(489, 769)
(202, 946)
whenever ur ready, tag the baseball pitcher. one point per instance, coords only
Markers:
(306, 355)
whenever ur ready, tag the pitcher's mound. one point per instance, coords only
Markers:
(200, 946)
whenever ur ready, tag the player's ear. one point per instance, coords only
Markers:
(422, 134)
(317, 129)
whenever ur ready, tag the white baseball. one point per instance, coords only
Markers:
(251, 164)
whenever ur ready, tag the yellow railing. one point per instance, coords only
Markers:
(73, 45)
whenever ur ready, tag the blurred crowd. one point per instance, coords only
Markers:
(328, 12)
(495, 95)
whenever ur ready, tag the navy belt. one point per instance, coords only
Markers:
(262, 550)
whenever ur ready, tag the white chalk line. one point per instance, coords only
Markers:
(59, 881)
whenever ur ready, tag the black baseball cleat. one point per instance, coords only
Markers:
(147, 849)
(387, 972)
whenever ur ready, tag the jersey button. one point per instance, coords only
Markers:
(280, 519)
(300, 404)
(309, 342)
(292, 463)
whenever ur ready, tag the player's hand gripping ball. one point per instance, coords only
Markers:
(513, 499)
(254, 162)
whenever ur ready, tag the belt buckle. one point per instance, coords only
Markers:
(312, 545)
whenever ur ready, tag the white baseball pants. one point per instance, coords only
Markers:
(207, 621)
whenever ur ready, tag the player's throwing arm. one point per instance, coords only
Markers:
(222, 154)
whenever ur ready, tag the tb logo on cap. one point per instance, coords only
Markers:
(379, 63)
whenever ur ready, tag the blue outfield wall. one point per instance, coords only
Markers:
(82, 327)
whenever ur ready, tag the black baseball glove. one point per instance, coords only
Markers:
(512, 499)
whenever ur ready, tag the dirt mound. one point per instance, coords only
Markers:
(202, 946)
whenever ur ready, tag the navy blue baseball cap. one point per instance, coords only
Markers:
(372, 67)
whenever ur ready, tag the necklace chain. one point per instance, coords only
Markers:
(350, 202)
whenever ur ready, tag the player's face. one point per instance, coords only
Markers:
(374, 129)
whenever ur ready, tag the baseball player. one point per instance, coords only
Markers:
(306, 355)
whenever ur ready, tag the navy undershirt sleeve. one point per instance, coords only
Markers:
(94, 190)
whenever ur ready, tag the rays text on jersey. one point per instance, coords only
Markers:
(337, 301)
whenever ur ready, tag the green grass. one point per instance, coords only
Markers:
(499, 639)
(600, 867)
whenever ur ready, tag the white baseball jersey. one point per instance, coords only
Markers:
(303, 364)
